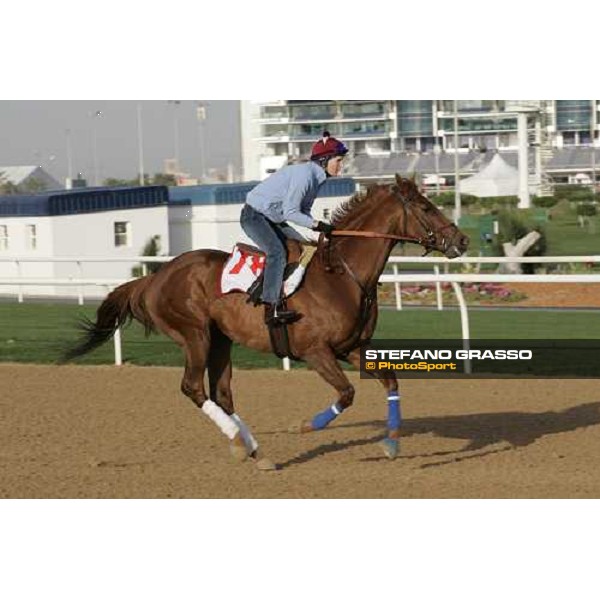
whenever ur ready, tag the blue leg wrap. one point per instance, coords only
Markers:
(323, 419)
(394, 417)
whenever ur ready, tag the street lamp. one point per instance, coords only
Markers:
(593, 134)
(140, 143)
(457, 207)
(436, 156)
(201, 117)
(69, 182)
(175, 104)
(95, 116)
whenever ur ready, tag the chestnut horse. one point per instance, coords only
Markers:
(337, 299)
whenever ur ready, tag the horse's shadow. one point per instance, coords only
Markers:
(481, 432)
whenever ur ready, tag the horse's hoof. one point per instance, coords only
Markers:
(238, 449)
(390, 447)
(265, 464)
(301, 427)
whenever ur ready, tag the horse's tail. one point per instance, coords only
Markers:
(118, 308)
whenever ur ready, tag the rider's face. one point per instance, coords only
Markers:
(334, 166)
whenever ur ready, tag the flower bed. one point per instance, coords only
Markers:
(475, 293)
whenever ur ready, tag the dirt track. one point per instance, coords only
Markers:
(128, 432)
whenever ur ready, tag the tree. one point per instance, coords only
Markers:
(33, 186)
(114, 182)
(8, 188)
(164, 179)
(151, 248)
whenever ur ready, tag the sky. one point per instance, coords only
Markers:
(35, 133)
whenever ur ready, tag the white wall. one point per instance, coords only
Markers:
(218, 227)
(20, 246)
(85, 235)
(93, 234)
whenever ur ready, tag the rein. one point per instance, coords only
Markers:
(375, 234)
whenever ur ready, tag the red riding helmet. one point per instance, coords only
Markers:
(327, 147)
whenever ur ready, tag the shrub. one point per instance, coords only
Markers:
(447, 199)
(586, 210)
(574, 193)
(499, 202)
(152, 248)
(545, 201)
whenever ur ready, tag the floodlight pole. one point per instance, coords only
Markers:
(69, 160)
(593, 131)
(524, 199)
(457, 205)
(140, 143)
(436, 156)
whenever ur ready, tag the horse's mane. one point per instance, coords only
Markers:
(362, 200)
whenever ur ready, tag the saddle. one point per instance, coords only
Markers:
(244, 272)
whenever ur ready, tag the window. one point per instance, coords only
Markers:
(31, 236)
(122, 233)
(3, 237)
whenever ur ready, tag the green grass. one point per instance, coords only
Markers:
(564, 236)
(36, 333)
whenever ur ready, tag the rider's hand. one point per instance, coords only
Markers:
(325, 228)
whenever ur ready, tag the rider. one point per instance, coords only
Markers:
(289, 195)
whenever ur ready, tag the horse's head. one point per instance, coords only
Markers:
(421, 219)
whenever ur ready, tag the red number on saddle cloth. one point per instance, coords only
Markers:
(256, 264)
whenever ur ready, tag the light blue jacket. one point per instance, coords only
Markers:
(288, 194)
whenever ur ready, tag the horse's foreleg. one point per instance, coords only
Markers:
(387, 378)
(219, 378)
(197, 349)
(325, 364)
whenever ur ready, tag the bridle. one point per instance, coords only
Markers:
(427, 241)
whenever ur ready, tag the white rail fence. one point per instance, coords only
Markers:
(397, 278)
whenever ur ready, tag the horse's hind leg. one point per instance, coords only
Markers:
(197, 349)
(219, 379)
(387, 378)
(324, 362)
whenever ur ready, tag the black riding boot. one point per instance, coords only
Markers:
(275, 315)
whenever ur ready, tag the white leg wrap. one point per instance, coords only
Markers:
(223, 421)
(249, 440)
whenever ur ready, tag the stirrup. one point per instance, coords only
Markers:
(275, 315)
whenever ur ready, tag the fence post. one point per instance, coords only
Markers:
(118, 353)
(438, 288)
(464, 321)
(116, 338)
(398, 289)
(80, 287)
(20, 287)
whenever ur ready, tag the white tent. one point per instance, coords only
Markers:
(498, 178)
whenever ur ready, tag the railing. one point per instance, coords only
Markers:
(397, 278)
(79, 282)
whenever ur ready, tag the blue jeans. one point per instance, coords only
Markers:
(271, 240)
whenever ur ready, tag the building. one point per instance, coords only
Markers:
(118, 223)
(27, 179)
(99, 222)
(380, 132)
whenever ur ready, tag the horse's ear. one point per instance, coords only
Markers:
(398, 179)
